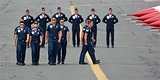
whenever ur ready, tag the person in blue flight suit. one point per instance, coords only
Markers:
(88, 41)
(95, 18)
(21, 37)
(84, 48)
(76, 19)
(36, 41)
(53, 39)
(28, 21)
(59, 16)
(43, 19)
(64, 40)
(110, 19)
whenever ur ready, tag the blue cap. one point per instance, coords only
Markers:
(59, 8)
(75, 9)
(110, 9)
(92, 9)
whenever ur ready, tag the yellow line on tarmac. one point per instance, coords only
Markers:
(95, 68)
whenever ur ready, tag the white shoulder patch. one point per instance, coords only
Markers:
(56, 15)
(90, 17)
(19, 30)
(32, 32)
(73, 17)
(51, 26)
(107, 17)
(41, 16)
(24, 18)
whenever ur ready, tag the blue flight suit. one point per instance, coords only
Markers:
(35, 45)
(59, 17)
(21, 43)
(84, 47)
(43, 20)
(76, 20)
(28, 20)
(63, 47)
(89, 47)
(95, 18)
(110, 20)
(53, 45)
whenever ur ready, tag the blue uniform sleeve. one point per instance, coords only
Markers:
(71, 19)
(48, 28)
(98, 20)
(37, 18)
(22, 17)
(48, 19)
(41, 33)
(54, 16)
(84, 29)
(59, 28)
(65, 18)
(15, 31)
(31, 33)
(115, 19)
(87, 30)
(81, 19)
(105, 19)
(32, 20)
(88, 17)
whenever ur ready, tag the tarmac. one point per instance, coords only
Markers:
(136, 55)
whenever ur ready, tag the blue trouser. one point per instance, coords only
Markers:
(90, 50)
(44, 32)
(76, 32)
(110, 31)
(83, 52)
(21, 51)
(52, 50)
(94, 31)
(63, 47)
(35, 52)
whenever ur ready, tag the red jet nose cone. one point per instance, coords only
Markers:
(145, 11)
(153, 19)
(156, 24)
(147, 16)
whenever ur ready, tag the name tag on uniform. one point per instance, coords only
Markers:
(87, 30)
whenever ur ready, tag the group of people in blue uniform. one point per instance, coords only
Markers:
(56, 35)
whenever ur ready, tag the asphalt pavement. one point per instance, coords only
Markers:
(136, 55)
